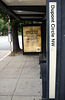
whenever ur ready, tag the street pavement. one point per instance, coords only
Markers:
(20, 78)
(5, 46)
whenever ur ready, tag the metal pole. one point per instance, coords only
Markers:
(10, 47)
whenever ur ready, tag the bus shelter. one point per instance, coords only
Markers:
(52, 59)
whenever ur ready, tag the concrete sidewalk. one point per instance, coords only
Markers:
(3, 53)
(20, 78)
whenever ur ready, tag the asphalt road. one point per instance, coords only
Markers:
(5, 45)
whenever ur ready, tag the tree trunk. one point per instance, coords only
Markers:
(16, 47)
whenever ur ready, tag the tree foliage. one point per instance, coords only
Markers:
(3, 27)
(4, 16)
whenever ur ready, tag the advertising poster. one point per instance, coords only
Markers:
(32, 38)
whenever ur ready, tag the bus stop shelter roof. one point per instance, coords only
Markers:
(25, 9)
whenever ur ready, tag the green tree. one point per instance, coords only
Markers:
(3, 27)
(14, 28)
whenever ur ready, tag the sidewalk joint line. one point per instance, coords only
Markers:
(5, 56)
(18, 79)
(6, 65)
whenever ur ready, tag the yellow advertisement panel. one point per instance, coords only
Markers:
(32, 38)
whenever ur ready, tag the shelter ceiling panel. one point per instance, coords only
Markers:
(31, 17)
(26, 12)
(24, 2)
